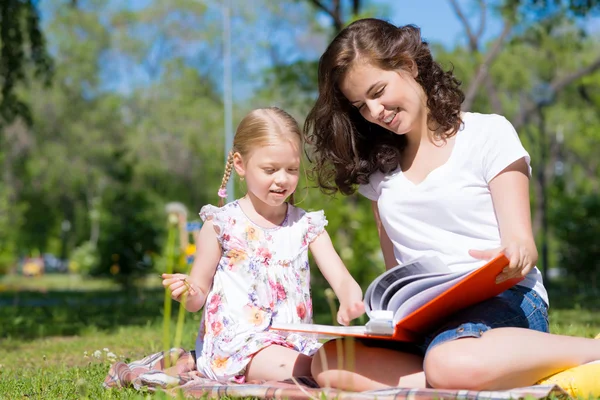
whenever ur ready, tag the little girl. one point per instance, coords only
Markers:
(251, 266)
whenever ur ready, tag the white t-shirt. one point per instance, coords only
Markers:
(451, 211)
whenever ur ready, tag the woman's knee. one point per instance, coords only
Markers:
(457, 365)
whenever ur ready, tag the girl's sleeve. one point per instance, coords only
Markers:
(501, 148)
(316, 225)
(218, 218)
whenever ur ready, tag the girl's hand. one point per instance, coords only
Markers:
(178, 284)
(349, 311)
(522, 256)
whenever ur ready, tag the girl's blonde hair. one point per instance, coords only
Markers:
(260, 128)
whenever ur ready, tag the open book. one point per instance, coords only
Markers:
(409, 300)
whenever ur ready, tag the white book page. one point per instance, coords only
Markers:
(421, 297)
(399, 285)
(413, 288)
(423, 266)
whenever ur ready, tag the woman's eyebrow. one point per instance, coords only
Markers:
(368, 91)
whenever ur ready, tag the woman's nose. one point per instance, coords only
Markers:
(375, 109)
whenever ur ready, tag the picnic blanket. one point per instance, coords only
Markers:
(181, 377)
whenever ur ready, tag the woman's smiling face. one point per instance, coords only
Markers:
(391, 99)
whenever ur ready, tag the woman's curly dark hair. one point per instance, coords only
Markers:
(346, 148)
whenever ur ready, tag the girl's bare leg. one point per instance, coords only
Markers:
(505, 358)
(350, 365)
(278, 363)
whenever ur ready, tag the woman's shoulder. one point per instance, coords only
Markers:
(473, 121)
(481, 128)
(371, 189)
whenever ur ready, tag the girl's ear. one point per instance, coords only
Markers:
(238, 164)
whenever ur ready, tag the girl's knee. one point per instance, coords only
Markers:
(324, 359)
(324, 366)
(451, 366)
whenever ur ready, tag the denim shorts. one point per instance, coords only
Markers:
(518, 307)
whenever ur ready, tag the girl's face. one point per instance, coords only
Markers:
(391, 99)
(271, 171)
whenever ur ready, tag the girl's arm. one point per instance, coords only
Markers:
(206, 259)
(510, 194)
(343, 284)
(386, 244)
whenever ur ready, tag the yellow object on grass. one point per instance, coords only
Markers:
(579, 382)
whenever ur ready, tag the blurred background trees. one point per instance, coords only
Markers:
(110, 110)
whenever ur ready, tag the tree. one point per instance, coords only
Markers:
(22, 45)
(547, 36)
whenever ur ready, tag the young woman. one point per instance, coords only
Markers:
(446, 183)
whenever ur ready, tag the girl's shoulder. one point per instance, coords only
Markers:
(297, 214)
(218, 214)
(222, 218)
(310, 223)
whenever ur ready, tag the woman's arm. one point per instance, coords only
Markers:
(387, 247)
(510, 194)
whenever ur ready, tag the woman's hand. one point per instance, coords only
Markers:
(523, 257)
(178, 285)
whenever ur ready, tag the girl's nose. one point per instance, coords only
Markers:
(280, 177)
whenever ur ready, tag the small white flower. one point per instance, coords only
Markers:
(97, 354)
(111, 355)
(106, 349)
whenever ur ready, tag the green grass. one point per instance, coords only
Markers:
(74, 367)
(61, 351)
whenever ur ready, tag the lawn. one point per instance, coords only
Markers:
(58, 340)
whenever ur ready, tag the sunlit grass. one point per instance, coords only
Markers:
(67, 282)
(63, 352)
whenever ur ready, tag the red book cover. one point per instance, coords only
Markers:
(459, 292)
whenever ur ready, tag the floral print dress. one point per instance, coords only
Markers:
(263, 276)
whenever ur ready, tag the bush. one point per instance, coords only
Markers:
(84, 259)
(576, 222)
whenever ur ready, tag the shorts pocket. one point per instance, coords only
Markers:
(536, 311)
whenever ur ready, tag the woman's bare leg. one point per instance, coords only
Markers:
(505, 358)
(350, 365)
(278, 363)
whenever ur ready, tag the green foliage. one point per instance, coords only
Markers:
(132, 225)
(577, 226)
(84, 259)
(22, 45)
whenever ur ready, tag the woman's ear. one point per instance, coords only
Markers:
(414, 70)
(238, 164)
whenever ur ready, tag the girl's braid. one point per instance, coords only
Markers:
(226, 175)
